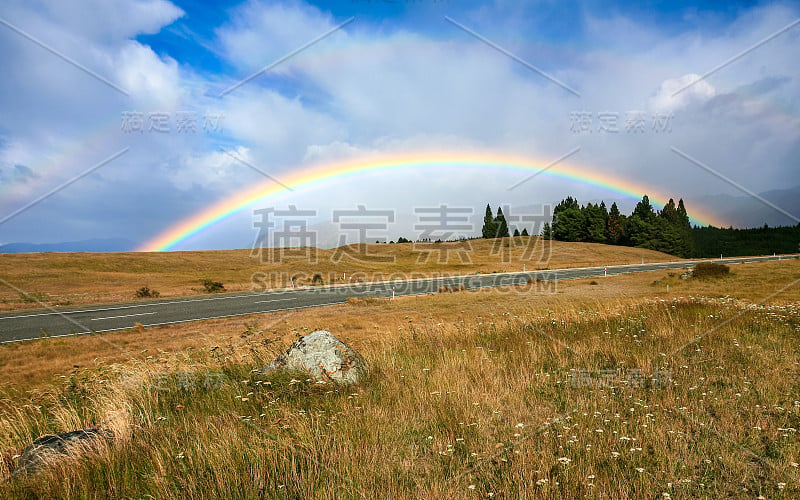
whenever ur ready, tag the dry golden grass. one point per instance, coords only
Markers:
(30, 364)
(469, 395)
(58, 279)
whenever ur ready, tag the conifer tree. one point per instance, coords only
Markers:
(685, 227)
(594, 223)
(501, 226)
(568, 221)
(615, 226)
(641, 225)
(489, 228)
(547, 232)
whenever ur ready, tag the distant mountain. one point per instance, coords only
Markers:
(94, 245)
(742, 211)
(746, 211)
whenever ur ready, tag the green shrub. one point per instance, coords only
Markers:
(710, 270)
(317, 280)
(145, 292)
(212, 286)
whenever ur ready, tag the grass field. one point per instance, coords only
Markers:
(609, 390)
(62, 279)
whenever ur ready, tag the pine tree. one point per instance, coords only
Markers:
(525, 231)
(489, 228)
(644, 209)
(685, 227)
(516, 232)
(641, 225)
(568, 221)
(500, 224)
(615, 226)
(670, 213)
(594, 223)
(547, 232)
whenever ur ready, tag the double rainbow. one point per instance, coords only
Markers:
(319, 175)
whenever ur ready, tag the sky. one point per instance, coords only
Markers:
(122, 119)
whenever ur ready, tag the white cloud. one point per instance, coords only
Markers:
(372, 90)
(113, 20)
(151, 80)
(677, 93)
(219, 169)
(278, 128)
(261, 32)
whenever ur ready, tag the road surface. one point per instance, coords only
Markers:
(29, 325)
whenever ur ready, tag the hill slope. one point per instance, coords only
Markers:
(85, 278)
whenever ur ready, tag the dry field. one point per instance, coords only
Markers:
(606, 388)
(62, 279)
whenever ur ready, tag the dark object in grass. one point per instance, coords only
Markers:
(710, 270)
(145, 292)
(212, 286)
(36, 454)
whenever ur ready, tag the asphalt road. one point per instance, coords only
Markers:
(29, 325)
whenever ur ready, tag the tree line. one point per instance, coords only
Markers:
(667, 230)
(714, 241)
(496, 226)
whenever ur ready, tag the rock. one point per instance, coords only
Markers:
(688, 274)
(324, 356)
(36, 455)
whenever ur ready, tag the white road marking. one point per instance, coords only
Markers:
(273, 300)
(634, 267)
(123, 316)
(151, 304)
(685, 263)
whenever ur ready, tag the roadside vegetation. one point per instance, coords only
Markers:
(59, 279)
(710, 270)
(611, 390)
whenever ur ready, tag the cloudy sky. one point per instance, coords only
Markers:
(122, 118)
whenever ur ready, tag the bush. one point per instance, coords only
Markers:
(367, 301)
(212, 286)
(32, 298)
(710, 270)
(317, 280)
(145, 292)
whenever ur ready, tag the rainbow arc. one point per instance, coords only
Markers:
(324, 174)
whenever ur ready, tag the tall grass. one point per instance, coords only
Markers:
(553, 403)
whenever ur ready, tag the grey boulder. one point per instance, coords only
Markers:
(324, 356)
(53, 445)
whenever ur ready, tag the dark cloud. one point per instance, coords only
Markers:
(17, 174)
(764, 85)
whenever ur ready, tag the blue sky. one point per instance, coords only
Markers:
(398, 79)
